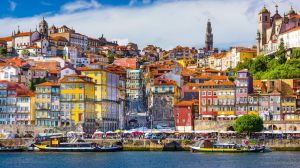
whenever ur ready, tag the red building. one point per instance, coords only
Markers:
(184, 114)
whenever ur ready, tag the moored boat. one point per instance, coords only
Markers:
(57, 146)
(208, 146)
(11, 149)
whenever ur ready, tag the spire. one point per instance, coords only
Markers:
(276, 6)
(18, 30)
(208, 37)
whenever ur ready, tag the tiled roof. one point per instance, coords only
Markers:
(47, 84)
(9, 38)
(126, 62)
(187, 103)
(23, 34)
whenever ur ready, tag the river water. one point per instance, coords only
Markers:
(149, 160)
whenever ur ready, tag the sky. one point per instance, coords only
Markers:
(165, 23)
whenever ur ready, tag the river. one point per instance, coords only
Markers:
(149, 160)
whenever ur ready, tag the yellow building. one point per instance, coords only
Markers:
(288, 107)
(47, 104)
(247, 54)
(77, 94)
(225, 101)
(98, 76)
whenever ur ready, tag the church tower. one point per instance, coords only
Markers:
(208, 37)
(264, 22)
(43, 28)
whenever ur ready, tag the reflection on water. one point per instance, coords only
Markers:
(149, 160)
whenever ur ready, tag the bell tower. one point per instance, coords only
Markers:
(209, 37)
(43, 28)
(264, 22)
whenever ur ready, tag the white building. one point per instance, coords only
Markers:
(66, 71)
(10, 73)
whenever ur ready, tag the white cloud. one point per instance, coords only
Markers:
(12, 5)
(79, 5)
(165, 23)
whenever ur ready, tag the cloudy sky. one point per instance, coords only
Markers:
(165, 23)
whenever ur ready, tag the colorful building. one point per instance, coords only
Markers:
(165, 93)
(77, 99)
(244, 86)
(12, 109)
(47, 105)
(184, 115)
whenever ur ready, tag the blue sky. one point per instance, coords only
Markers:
(165, 23)
(17, 8)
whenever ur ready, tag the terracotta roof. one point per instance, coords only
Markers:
(9, 38)
(163, 81)
(187, 103)
(126, 62)
(59, 38)
(23, 34)
(218, 77)
(210, 70)
(77, 79)
(47, 84)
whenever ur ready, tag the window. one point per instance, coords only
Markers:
(80, 96)
(73, 86)
(73, 96)
(72, 106)
(67, 86)
(209, 93)
(203, 93)
(80, 106)
(80, 86)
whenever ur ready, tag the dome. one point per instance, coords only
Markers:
(264, 10)
(292, 11)
(43, 22)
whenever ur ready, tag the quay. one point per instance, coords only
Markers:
(165, 145)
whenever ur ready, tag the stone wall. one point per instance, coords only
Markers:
(212, 125)
(224, 125)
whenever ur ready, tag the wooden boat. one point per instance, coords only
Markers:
(57, 146)
(208, 146)
(11, 149)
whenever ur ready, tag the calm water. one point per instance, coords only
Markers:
(148, 160)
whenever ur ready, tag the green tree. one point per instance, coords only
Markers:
(25, 52)
(295, 53)
(248, 123)
(36, 82)
(280, 53)
(3, 51)
(110, 58)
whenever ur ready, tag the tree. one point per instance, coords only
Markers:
(3, 51)
(25, 52)
(295, 53)
(248, 123)
(36, 82)
(280, 53)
